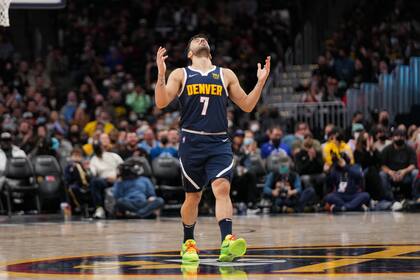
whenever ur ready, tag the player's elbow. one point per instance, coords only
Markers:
(160, 106)
(160, 103)
(247, 109)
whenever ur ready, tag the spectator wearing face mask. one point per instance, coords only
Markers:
(103, 167)
(383, 119)
(347, 185)
(163, 148)
(356, 130)
(149, 141)
(369, 159)
(285, 190)
(399, 167)
(244, 181)
(336, 148)
(102, 119)
(138, 101)
(309, 165)
(356, 119)
(381, 138)
(274, 145)
(294, 141)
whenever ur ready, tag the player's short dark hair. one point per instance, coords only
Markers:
(200, 35)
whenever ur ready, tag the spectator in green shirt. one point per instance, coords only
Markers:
(138, 100)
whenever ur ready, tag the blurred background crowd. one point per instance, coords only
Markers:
(88, 102)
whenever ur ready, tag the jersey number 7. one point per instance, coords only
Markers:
(204, 100)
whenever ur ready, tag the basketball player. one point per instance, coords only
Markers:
(205, 152)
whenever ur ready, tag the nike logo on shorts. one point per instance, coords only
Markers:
(225, 140)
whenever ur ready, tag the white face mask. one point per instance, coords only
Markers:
(230, 123)
(254, 127)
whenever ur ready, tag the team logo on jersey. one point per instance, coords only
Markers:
(215, 76)
(326, 261)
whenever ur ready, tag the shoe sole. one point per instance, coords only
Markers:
(236, 249)
(190, 260)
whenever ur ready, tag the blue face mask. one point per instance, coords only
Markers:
(283, 169)
(248, 141)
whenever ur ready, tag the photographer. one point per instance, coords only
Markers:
(334, 148)
(347, 182)
(135, 192)
(285, 189)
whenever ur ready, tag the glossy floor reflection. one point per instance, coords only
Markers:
(307, 246)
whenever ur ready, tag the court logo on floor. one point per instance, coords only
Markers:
(296, 261)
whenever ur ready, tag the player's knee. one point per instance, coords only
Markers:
(193, 197)
(221, 188)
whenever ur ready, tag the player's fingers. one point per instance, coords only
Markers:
(259, 66)
(267, 63)
(164, 57)
(161, 51)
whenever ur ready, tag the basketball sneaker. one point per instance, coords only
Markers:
(189, 251)
(232, 248)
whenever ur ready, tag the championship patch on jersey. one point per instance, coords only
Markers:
(215, 76)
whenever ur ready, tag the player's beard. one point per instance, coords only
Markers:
(202, 51)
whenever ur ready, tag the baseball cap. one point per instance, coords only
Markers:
(6, 136)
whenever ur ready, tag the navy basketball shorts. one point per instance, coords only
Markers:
(204, 158)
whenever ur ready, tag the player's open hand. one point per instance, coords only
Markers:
(160, 60)
(262, 73)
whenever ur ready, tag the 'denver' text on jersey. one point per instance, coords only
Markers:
(203, 100)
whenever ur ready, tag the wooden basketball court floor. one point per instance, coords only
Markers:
(300, 246)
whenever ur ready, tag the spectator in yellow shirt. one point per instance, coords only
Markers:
(335, 148)
(101, 119)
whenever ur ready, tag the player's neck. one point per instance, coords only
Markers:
(201, 63)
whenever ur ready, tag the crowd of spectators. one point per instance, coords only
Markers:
(90, 105)
(372, 40)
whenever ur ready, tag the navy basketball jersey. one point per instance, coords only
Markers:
(203, 100)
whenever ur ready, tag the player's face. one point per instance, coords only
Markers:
(199, 47)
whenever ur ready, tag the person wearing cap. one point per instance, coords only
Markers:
(356, 130)
(399, 167)
(285, 190)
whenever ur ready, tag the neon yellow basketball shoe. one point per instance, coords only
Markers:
(189, 251)
(232, 248)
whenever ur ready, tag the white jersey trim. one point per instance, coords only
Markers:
(188, 177)
(223, 81)
(183, 83)
(202, 73)
(226, 169)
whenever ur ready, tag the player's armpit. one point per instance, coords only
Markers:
(165, 93)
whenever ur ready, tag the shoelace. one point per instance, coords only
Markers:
(191, 246)
(232, 237)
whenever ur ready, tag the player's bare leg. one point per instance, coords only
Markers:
(221, 191)
(189, 213)
(232, 248)
(189, 209)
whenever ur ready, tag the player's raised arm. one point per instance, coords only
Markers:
(166, 92)
(238, 95)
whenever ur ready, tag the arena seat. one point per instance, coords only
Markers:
(167, 173)
(49, 177)
(20, 182)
